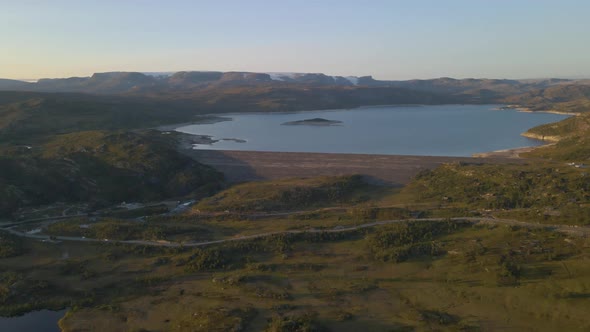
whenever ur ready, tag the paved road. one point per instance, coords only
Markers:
(573, 230)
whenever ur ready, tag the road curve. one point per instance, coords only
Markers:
(572, 230)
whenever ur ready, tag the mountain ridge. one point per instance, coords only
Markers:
(122, 82)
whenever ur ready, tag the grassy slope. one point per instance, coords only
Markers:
(10, 245)
(452, 277)
(536, 192)
(287, 195)
(391, 278)
(285, 97)
(26, 116)
(562, 98)
(573, 135)
(101, 167)
(575, 125)
(573, 149)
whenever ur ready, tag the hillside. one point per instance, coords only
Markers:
(565, 97)
(136, 99)
(336, 254)
(269, 98)
(270, 255)
(474, 90)
(542, 192)
(100, 168)
(447, 275)
(24, 115)
(575, 125)
(575, 148)
(287, 194)
(6, 84)
(572, 136)
(193, 83)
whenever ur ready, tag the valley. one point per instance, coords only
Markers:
(294, 166)
(129, 228)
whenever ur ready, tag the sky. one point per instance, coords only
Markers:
(388, 39)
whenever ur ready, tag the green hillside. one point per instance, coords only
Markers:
(566, 97)
(575, 125)
(573, 136)
(539, 192)
(463, 247)
(574, 148)
(288, 194)
(100, 167)
(25, 116)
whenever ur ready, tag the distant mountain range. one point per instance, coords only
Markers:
(130, 99)
(187, 81)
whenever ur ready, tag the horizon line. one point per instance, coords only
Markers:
(163, 72)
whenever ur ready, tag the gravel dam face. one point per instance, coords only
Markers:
(239, 166)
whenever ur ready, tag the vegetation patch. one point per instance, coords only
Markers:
(402, 241)
(295, 323)
(10, 245)
(216, 319)
(546, 188)
(284, 195)
(101, 168)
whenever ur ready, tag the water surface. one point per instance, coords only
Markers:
(37, 321)
(441, 130)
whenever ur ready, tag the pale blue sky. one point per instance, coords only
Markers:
(387, 39)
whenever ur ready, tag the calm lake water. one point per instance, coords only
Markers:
(37, 321)
(442, 130)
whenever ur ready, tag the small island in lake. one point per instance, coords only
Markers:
(313, 122)
(237, 140)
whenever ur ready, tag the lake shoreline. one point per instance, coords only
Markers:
(36, 320)
(202, 119)
(211, 118)
(524, 109)
(374, 142)
(509, 153)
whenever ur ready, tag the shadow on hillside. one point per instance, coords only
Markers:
(242, 166)
(234, 170)
(377, 181)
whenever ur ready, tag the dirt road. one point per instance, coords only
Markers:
(572, 230)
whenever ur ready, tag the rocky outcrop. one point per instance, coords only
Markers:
(545, 138)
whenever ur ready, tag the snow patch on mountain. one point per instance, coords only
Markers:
(282, 76)
(353, 79)
(294, 76)
(159, 73)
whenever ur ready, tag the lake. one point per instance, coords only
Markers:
(38, 321)
(441, 130)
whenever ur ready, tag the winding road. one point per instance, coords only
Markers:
(572, 230)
